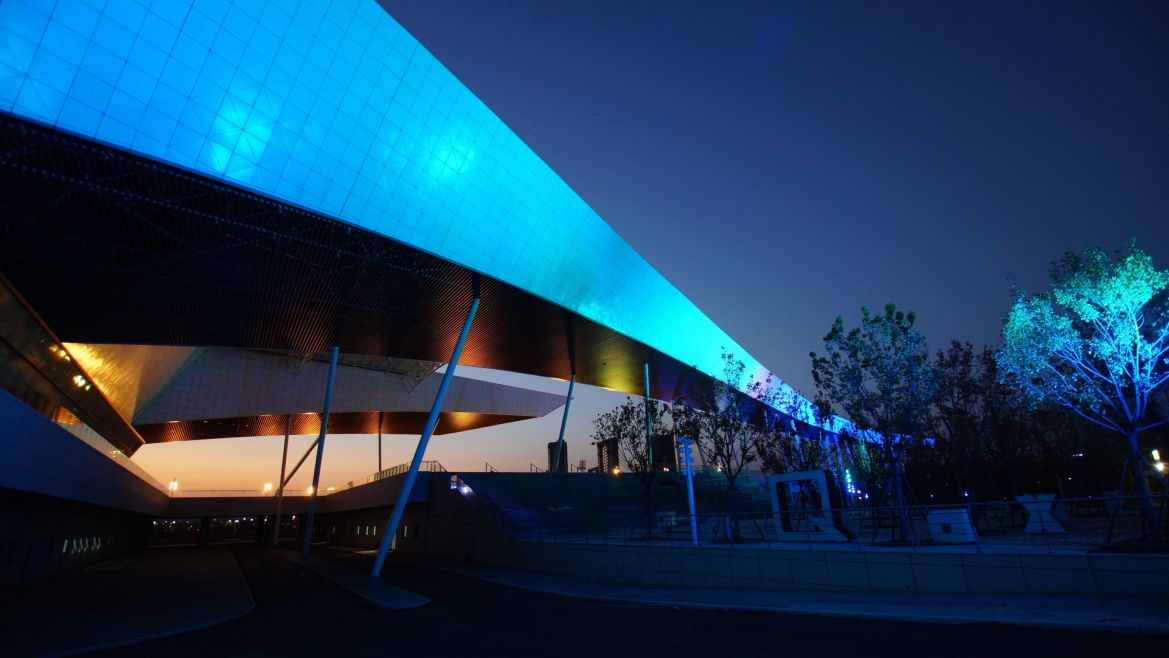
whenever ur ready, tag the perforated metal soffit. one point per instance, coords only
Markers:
(110, 247)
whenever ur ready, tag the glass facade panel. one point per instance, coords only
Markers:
(332, 106)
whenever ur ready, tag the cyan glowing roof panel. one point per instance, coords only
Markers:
(334, 107)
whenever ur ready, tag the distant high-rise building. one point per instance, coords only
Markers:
(607, 456)
(664, 455)
(562, 467)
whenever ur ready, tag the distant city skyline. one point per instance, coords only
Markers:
(785, 163)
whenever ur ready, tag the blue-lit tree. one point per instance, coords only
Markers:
(1098, 344)
(726, 425)
(879, 375)
(780, 447)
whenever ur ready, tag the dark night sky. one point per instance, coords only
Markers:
(787, 162)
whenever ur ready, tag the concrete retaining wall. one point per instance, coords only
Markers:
(458, 531)
(838, 570)
(63, 504)
(38, 456)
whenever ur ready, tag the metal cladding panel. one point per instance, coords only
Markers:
(130, 376)
(333, 107)
(112, 247)
(236, 383)
(393, 422)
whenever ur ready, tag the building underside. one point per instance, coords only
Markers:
(107, 247)
(299, 176)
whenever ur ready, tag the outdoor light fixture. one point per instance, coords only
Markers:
(267, 487)
(309, 490)
(616, 470)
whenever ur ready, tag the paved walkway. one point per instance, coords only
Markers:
(1084, 613)
(161, 593)
(377, 592)
(299, 613)
(152, 594)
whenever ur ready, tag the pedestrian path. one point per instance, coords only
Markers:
(152, 594)
(378, 591)
(1083, 613)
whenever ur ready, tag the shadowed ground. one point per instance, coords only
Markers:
(299, 613)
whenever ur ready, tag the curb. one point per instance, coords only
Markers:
(1110, 625)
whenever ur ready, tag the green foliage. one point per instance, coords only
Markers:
(1098, 343)
(779, 445)
(727, 423)
(879, 374)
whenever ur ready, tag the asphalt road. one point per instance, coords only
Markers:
(298, 613)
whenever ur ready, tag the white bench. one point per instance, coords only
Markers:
(951, 526)
(1039, 517)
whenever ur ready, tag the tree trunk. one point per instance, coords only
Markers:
(650, 516)
(732, 521)
(902, 510)
(1136, 463)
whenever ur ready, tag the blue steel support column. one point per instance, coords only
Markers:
(649, 436)
(400, 505)
(312, 503)
(280, 483)
(563, 424)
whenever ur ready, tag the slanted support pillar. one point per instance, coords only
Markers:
(404, 494)
(563, 423)
(312, 502)
(379, 443)
(280, 483)
(649, 434)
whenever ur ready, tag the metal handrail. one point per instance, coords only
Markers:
(243, 493)
(428, 466)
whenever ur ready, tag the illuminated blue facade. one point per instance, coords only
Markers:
(334, 107)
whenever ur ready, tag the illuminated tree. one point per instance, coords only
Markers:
(726, 425)
(780, 446)
(879, 375)
(1098, 344)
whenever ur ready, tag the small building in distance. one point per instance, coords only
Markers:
(562, 467)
